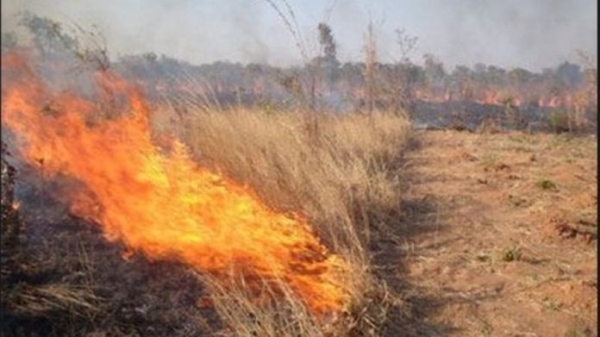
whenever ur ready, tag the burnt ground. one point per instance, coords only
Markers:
(498, 236)
(474, 116)
(76, 283)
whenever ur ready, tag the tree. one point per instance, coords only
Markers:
(327, 63)
(462, 80)
(370, 69)
(403, 76)
(52, 42)
(434, 72)
(406, 43)
(9, 41)
(519, 76)
(569, 74)
(48, 36)
(496, 76)
(327, 41)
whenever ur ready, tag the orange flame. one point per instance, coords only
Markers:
(164, 205)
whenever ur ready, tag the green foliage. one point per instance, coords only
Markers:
(552, 305)
(575, 332)
(558, 120)
(511, 254)
(546, 184)
(487, 329)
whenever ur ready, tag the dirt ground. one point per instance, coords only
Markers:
(500, 235)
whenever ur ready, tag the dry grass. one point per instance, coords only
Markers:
(49, 299)
(22, 293)
(245, 317)
(341, 171)
(326, 172)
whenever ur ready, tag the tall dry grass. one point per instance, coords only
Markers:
(341, 171)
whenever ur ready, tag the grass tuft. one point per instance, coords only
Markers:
(511, 254)
(546, 184)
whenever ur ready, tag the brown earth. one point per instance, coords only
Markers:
(500, 235)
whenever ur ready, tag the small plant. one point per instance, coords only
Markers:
(552, 305)
(511, 254)
(483, 258)
(575, 332)
(558, 121)
(517, 201)
(489, 160)
(546, 184)
(487, 329)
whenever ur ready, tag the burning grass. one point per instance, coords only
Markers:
(279, 227)
(342, 172)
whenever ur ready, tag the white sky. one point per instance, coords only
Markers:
(509, 33)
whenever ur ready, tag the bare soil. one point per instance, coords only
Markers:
(127, 295)
(500, 235)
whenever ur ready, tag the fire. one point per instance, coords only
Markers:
(163, 204)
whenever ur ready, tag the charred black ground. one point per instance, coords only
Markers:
(61, 277)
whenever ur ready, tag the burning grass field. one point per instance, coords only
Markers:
(128, 217)
(271, 214)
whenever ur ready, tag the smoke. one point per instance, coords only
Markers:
(533, 34)
(184, 29)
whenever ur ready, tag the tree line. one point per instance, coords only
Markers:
(322, 81)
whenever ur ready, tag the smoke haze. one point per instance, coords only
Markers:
(532, 34)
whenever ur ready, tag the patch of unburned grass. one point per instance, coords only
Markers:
(511, 254)
(576, 332)
(546, 184)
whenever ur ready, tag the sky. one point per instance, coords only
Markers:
(533, 34)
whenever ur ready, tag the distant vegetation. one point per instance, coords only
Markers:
(323, 82)
(340, 86)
